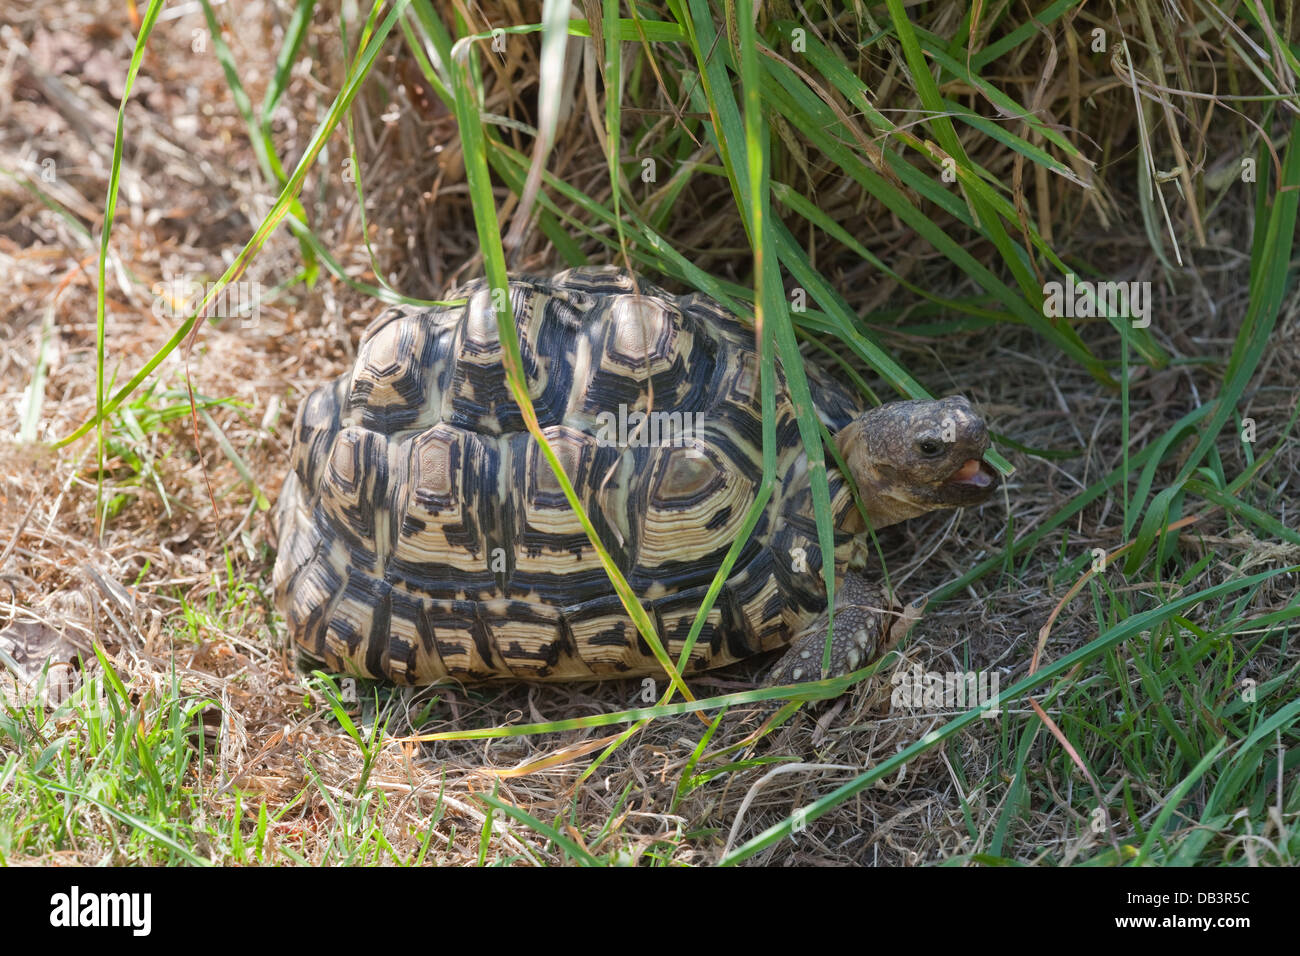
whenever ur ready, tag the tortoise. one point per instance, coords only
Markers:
(423, 537)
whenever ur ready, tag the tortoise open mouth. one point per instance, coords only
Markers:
(976, 477)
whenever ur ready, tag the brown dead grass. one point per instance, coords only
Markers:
(191, 195)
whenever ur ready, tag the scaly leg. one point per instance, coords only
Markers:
(868, 623)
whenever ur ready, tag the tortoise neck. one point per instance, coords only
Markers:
(879, 490)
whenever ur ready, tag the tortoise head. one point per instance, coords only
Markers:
(913, 457)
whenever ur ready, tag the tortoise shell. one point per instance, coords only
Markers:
(422, 535)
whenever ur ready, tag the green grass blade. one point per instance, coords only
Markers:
(1157, 828)
(485, 217)
(294, 34)
(279, 210)
(259, 134)
(1274, 235)
(1146, 620)
(110, 209)
(569, 845)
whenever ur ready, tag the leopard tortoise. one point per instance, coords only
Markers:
(422, 537)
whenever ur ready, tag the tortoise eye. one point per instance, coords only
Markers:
(930, 447)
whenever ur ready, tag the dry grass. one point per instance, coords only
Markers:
(153, 587)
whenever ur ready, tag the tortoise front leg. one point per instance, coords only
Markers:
(868, 623)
